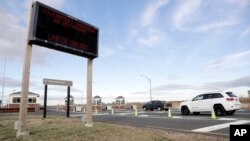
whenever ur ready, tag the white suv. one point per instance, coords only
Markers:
(222, 103)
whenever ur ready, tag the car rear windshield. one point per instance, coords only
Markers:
(230, 94)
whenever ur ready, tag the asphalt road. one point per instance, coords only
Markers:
(159, 119)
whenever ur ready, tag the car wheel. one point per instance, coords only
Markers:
(144, 109)
(219, 110)
(230, 112)
(158, 108)
(185, 110)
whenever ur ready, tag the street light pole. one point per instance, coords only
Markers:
(3, 82)
(150, 90)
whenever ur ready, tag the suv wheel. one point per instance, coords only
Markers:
(185, 110)
(158, 108)
(230, 112)
(219, 110)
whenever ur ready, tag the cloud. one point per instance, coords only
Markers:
(10, 82)
(241, 3)
(12, 36)
(106, 51)
(217, 25)
(139, 92)
(171, 87)
(14, 30)
(41, 55)
(185, 12)
(144, 33)
(151, 10)
(151, 38)
(168, 88)
(57, 4)
(246, 32)
(228, 62)
(222, 85)
(193, 16)
(61, 89)
(64, 89)
(173, 77)
(195, 89)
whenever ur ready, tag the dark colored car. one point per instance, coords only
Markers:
(156, 104)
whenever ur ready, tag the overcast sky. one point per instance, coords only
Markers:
(186, 47)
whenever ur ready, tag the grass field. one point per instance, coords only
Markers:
(71, 129)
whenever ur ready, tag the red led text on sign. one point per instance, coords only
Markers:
(65, 41)
(57, 30)
(67, 22)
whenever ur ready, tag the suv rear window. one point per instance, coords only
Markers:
(230, 94)
(217, 95)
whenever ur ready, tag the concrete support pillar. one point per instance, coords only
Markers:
(89, 121)
(22, 130)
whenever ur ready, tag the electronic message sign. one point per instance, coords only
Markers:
(56, 30)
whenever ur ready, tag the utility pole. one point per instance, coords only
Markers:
(3, 81)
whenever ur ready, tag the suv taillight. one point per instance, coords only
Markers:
(230, 99)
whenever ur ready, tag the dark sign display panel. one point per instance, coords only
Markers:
(56, 30)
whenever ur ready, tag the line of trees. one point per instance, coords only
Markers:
(244, 100)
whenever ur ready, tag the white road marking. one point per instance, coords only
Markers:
(100, 114)
(143, 116)
(94, 114)
(123, 114)
(75, 115)
(227, 119)
(177, 116)
(220, 126)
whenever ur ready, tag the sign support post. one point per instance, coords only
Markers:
(89, 121)
(22, 131)
(47, 82)
(45, 101)
(68, 101)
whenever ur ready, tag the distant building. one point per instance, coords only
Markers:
(96, 103)
(119, 103)
(15, 99)
(120, 100)
(97, 100)
(71, 100)
(71, 103)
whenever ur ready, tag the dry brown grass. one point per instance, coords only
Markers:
(71, 129)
